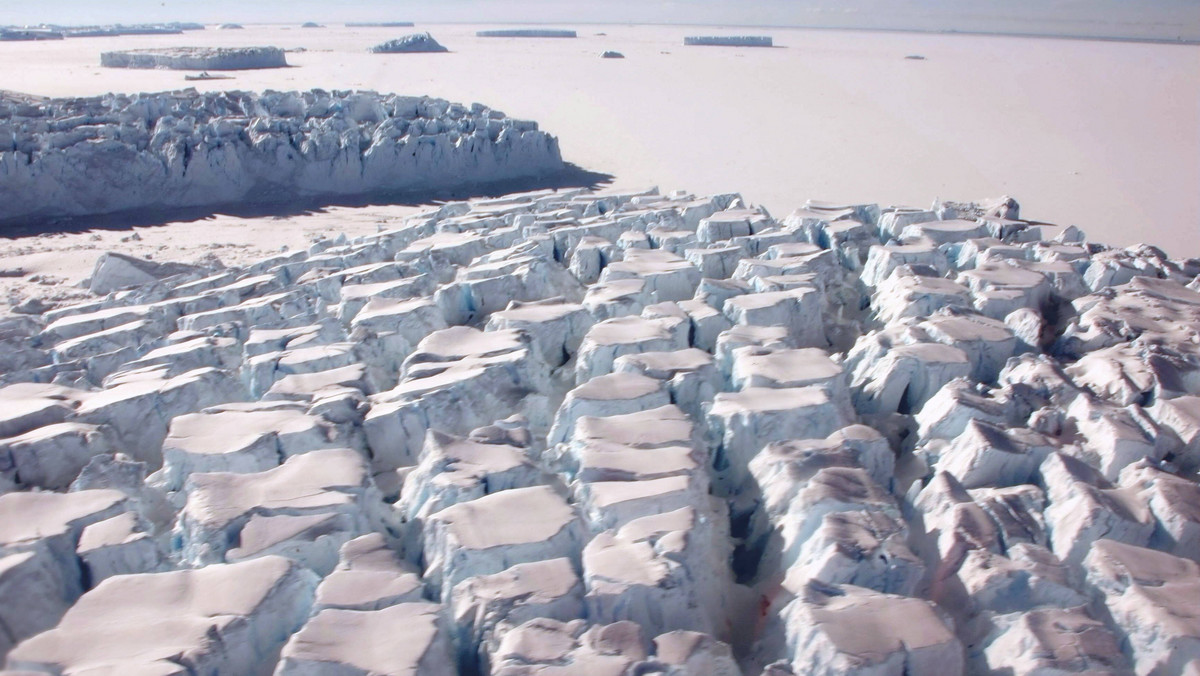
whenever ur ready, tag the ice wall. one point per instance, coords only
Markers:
(119, 152)
(197, 58)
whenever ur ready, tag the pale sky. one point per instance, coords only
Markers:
(1106, 15)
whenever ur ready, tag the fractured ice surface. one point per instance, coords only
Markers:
(218, 619)
(609, 433)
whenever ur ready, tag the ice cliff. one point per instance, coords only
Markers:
(197, 58)
(120, 152)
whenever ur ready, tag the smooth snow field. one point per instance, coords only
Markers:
(1103, 135)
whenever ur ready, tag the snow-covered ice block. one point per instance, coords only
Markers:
(947, 413)
(635, 447)
(951, 524)
(55, 520)
(846, 630)
(1152, 598)
(741, 423)
(410, 319)
(545, 647)
(617, 298)
(665, 571)
(862, 548)
(613, 338)
(200, 351)
(264, 340)
(894, 219)
(454, 470)
(412, 43)
(1017, 512)
(882, 260)
(715, 262)
(765, 367)
(140, 406)
(691, 376)
(51, 456)
(197, 58)
(84, 323)
(987, 342)
(589, 257)
(354, 297)
(745, 336)
(119, 545)
(692, 652)
(305, 388)
(458, 379)
(1055, 640)
(612, 504)
(28, 406)
(139, 336)
(667, 275)
(985, 454)
(612, 394)
(239, 439)
(1001, 288)
(799, 311)
(487, 607)
(495, 532)
(1084, 508)
(1029, 577)
(1113, 438)
(1043, 376)
(1003, 207)
(1175, 503)
(224, 618)
(714, 292)
(35, 591)
(944, 232)
(829, 490)
(907, 377)
(308, 506)
(262, 371)
(903, 295)
(1129, 374)
(407, 639)
(370, 575)
(726, 225)
(707, 323)
(557, 327)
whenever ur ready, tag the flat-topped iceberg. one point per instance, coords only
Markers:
(729, 41)
(525, 33)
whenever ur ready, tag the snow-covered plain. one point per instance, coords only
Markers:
(614, 433)
(832, 114)
(1103, 135)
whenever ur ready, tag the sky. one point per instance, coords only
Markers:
(1165, 16)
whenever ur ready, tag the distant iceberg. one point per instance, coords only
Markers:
(417, 42)
(729, 41)
(525, 33)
